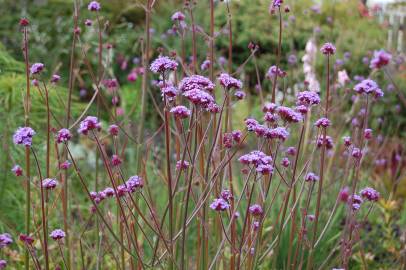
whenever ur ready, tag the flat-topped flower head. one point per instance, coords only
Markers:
(3, 264)
(180, 112)
(113, 130)
(275, 71)
(289, 114)
(368, 134)
(381, 58)
(370, 194)
(63, 135)
(255, 158)
(368, 86)
(196, 82)
(109, 192)
(57, 234)
(347, 141)
(355, 202)
(307, 98)
(237, 135)
(226, 195)
(291, 151)
(229, 82)
(328, 49)
(270, 117)
(328, 142)
(36, 68)
(23, 136)
(251, 123)
(163, 64)
(178, 16)
(55, 78)
(169, 91)
(323, 122)
(205, 65)
(17, 170)
(239, 94)
(5, 240)
(277, 3)
(279, 133)
(49, 183)
(256, 210)
(356, 153)
(219, 204)
(134, 182)
(285, 162)
(199, 97)
(269, 107)
(90, 123)
(94, 6)
(311, 177)
(264, 169)
(182, 165)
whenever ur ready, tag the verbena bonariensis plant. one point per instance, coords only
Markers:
(213, 197)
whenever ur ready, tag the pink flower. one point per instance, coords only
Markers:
(285, 162)
(226, 195)
(205, 65)
(311, 177)
(381, 58)
(307, 98)
(289, 115)
(196, 82)
(88, 22)
(239, 94)
(264, 169)
(17, 170)
(49, 183)
(133, 183)
(347, 140)
(356, 153)
(328, 49)
(65, 165)
(55, 78)
(328, 142)
(291, 151)
(132, 77)
(368, 133)
(256, 210)
(113, 130)
(90, 123)
(199, 97)
(63, 135)
(236, 135)
(178, 16)
(279, 133)
(116, 160)
(322, 122)
(269, 107)
(344, 194)
(275, 71)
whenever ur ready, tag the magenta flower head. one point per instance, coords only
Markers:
(328, 142)
(3, 264)
(368, 133)
(180, 112)
(182, 165)
(289, 114)
(63, 135)
(226, 195)
(65, 165)
(323, 122)
(162, 64)
(17, 170)
(199, 97)
(23, 136)
(219, 204)
(347, 141)
(36, 68)
(344, 194)
(88, 22)
(368, 86)
(229, 82)
(356, 153)
(116, 160)
(26, 239)
(269, 107)
(275, 71)
(237, 134)
(370, 194)
(285, 162)
(113, 130)
(55, 78)
(270, 117)
(256, 210)
(239, 94)
(307, 98)
(90, 123)
(279, 133)
(311, 177)
(277, 3)
(381, 58)
(57, 234)
(205, 65)
(94, 6)
(133, 183)
(355, 201)
(5, 240)
(328, 49)
(178, 16)
(49, 183)
(196, 82)
(24, 22)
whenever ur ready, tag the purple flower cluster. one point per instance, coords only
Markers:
(239, 94)
(370, 194)
(328, 49)
(307, 98)
(311, 177)
(94, 6)
(289, 114)
(277, 3)
(328, 142)
(256, 210)
(113, 130)
(162, 64)
(323, 122)
(49, 183)
(57, 234)
(368, 86)
(219, 204)
(178, 16)
(381, 58)
(205, 65)
(229, 82)
(169, 92)
(261, 162)
(196, 82)
(182, 165)
(199, 97)
(55, 78)
(355, 201)
(275, 71)
(180, 112)
(23, 136)
(36, 68)
(90, 123)
(3, 264)
(17, 170)
(269, 107)
(5, 240)
(63, 135)
(279, 133)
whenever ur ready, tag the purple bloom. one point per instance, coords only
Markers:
(328, 142)
(63, 135)
(3, 264)
(229, 82)
(226, 195)
(356, 153)
(113, 130)
(49, 183)
(178, 16)
(17, 170)
(5, 240)
(239, 94)
(368, 133)
(292, 59)
(116, 160)
(307, 98)
(269, 107)
(219, 204)
(57, 234)
(264, 169)
(311, 177)
(289, 114)
(256, 210)
(285, 162)
(279, 133)
(370, 194)
(381, 58)
(328, 49)
(162, 64)
(347, 141)
(196, 82)
(270, 117)
(109, 192)
(133, 183)
(302, 109)
(323, 122)
(180, 112)
(277, 3)
(236, 135)
(94, 6)
(36, 68)
(344, 194)
(55, 78)
(275, 71)
(368, 87)
(90, 123)
(251, 124)
(182, 165)
(199, 97)
(169, 91)
(255, 158)
(291, 151)
(65, 165)
(205, 65)
(88, 22)
(23, 136)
